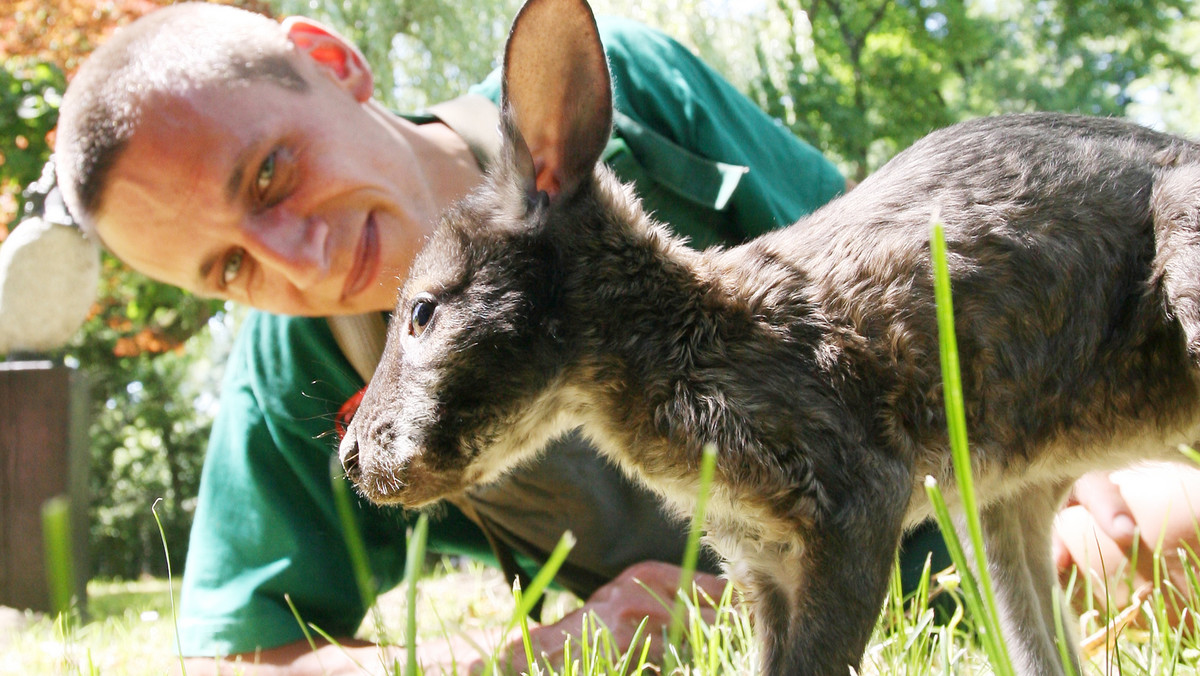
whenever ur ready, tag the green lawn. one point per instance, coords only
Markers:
(129, 633)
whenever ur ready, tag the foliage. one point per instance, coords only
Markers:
(1169, 98)
(30, 91)
(868, 77)
(150, 418)
(420, 51)
(39, 41)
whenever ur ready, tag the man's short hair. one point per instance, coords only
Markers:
(170, 51)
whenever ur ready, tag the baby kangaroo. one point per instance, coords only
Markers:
(549, 300)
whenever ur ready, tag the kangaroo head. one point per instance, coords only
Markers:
(477, 338)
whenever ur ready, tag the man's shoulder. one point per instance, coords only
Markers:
(626, 39)
(285, 350)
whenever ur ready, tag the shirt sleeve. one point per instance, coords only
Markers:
(266, 528)
(664, 87)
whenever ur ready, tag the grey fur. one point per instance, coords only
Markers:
(809, 356)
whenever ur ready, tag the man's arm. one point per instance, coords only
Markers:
(295, 659)
(621, 605)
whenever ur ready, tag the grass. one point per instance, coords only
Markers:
(947, 626)
(130, 631)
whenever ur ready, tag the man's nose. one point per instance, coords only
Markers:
(294, 246)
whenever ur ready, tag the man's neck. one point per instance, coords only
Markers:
(444, 157)
(454, 165)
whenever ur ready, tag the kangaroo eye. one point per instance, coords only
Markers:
(422, 314)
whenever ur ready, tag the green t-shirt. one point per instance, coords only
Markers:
(704, 159)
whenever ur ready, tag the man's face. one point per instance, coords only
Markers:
(294, 202)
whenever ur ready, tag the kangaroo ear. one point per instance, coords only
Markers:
(557, 102)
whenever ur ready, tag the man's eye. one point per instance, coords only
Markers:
(232, 267)
(265, 177)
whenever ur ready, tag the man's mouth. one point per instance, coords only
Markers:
(366, 260)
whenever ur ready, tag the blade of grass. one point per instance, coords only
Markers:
(170, 586)
(1157, 594)
(1060, 635)
(328, 639)
(971, 594)
(691, 552)
(539, 583)
(639, 638)
(523, 624)
(527, 598)
(414, 558)
(312, 644)
(1190, 453)
(56, 544)
(343, 501)
(959, 449)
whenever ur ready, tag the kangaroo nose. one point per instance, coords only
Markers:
(349, 457)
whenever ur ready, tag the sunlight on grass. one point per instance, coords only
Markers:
(129, 631)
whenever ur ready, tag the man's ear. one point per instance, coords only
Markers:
(336, 55)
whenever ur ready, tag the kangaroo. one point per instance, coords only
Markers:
(548, 300)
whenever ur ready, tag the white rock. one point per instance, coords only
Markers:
(49, 275)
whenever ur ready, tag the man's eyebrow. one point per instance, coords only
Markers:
(234, 185)
(206, 270)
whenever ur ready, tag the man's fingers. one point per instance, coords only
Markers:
(1102, 498)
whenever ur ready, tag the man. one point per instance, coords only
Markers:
(219, 151)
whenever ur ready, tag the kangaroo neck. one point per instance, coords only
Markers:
(644, 307)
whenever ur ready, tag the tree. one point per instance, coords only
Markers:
(420, 51)
(30, 91)
(875, 75)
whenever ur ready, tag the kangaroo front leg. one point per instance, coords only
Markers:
(816, 606)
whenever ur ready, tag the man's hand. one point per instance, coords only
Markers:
(1112, 513)
(639, 593)
(1097, 495)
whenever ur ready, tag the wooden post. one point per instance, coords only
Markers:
(43, 453)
